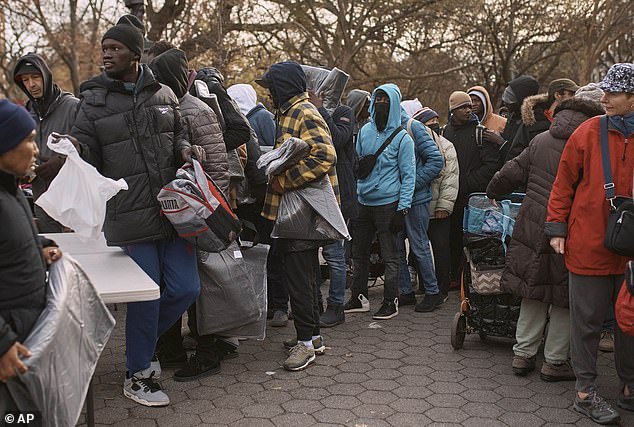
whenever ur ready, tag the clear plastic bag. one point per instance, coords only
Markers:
(330, 83)
(77, 196)
(281, 158)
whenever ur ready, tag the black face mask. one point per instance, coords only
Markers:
(381, 114)
(435, 127)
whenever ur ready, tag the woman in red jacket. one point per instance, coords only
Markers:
(576, 222)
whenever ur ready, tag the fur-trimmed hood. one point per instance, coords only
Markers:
(533, 108)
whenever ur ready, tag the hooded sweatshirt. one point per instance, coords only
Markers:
(356, 100)
(393, 177)
(489, 120)
(199, 120)
(260, 119)
(298, 118)
(55, 111)
(522, 87)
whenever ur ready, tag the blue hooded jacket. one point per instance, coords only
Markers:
(394, 175)
(429, 161)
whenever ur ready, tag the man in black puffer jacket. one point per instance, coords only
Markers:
(129, 126)
(23, 255)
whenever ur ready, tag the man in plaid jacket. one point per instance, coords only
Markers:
(297, 117)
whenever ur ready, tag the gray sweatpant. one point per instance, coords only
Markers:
(590, 299)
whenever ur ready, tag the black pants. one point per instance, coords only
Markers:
(374, 219)
(457, 253)
(300, 273)
(439, 232)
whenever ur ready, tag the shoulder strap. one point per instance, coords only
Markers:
(388, 140)
(409, 127)
(605, 159)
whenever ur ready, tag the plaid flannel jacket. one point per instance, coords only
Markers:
(299, 118)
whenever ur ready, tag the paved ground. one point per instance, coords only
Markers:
(401, 372)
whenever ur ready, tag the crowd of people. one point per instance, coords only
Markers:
(398, 175)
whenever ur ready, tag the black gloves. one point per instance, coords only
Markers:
(49, 170)
(397, 222)
(492, 137)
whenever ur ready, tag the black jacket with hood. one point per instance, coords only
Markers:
(135, 134)
(522, 87)
(199, 120)
(534, 122)
(237, 128)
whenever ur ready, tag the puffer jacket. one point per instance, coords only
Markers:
(444, 189)
(533, 270)
(534, 122)
(490, 120)
(429, 161)
(199, 120)
(22, 266)
(136, 135)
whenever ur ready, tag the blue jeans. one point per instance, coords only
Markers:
(416, 223)
(174, 261)
(335, 257)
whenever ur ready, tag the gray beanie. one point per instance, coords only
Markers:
(591, 92)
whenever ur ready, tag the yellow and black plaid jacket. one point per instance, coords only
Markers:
(299, 118)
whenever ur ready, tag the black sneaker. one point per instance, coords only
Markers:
(333, 316)
(596, 408)
(357, 305)
(407, 299)
(197, 367)
(429, 303)
(388, 310)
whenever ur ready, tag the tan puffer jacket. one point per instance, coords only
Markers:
(444, 189)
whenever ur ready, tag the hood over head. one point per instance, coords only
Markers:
(210, 73)
(411, 106)
(245, 97)
(571, 113)
(394, 117)
(484, 96)
(171, 69)
(533, 108)
(523, 87)
(34, 62)
(356, 99)
(285, 80)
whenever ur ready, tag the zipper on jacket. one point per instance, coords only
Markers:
(624, 149)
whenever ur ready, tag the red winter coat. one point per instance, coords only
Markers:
(582, 215)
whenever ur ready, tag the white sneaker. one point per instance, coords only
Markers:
(144, 390)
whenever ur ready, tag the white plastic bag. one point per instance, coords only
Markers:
(77, 196)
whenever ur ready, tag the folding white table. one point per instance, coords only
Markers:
(117, 278)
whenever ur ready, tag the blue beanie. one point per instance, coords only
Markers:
(15, 125)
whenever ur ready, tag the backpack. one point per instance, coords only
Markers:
(198, 209)
(624, 306)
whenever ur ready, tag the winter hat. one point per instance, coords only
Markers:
(523, 87)
(411, 106)
(15, 125)
(458, 99)
(561, 84)
(26, 67)
(127, 34)
(132, 20)
(620, 78)
(424, 115)
(591, 92)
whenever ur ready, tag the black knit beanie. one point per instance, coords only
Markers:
(15, 125)
(128, 35)
(523, 87)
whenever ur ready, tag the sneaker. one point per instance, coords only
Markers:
(144, 390)
(626, 402)
(198, 367)
(155, 367)
(388, 310)
(429, 303)
(358, 305)
(557, 372)
(606, 343)
(333, 316)
(280, 319)
(596, 408)
(318, 345)
(407, 299)
(522, 366)
(299, 358)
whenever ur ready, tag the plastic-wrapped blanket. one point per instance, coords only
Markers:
(232, 300)
(329, 83)
(281, 158)
(65, 343)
